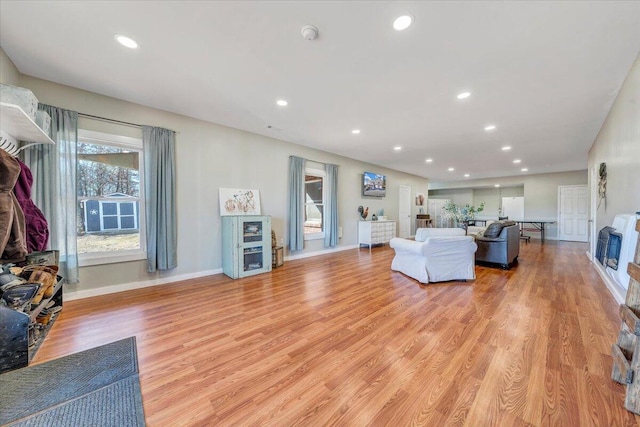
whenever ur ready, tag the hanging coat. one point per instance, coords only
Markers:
(13, 245)
(36, 225)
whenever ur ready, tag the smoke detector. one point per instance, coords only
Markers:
(309, 32)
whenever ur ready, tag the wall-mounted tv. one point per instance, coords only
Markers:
(374, 185)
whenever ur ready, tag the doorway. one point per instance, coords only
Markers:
(573, 213)
(404, 211)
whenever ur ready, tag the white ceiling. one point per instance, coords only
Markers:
(545, 73)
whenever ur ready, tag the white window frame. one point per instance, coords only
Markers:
(125, 142)
(321, 174)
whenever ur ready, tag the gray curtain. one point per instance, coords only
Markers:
(160, 190)
(296, 203)
(331, 206)
(54, 186)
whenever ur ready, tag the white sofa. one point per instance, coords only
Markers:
(437, 255)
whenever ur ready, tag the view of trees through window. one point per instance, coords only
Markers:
(108, 190)
(314, 206)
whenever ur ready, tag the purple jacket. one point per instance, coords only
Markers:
(36, 224)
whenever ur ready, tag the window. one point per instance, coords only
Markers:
(110, 198)
(314, 204)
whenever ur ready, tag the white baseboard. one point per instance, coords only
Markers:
(70, 296)
(618, 292)
(322, 252)
(105, 290)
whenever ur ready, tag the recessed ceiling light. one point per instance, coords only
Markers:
(497, 185)
(397, 148)
(466, 175)
(402, 22)
(506, 148)
(489, 127)
(282, 102)
(126, 41)
(429, 160)
(516, 161)
(451, 169)
(355, 131)
(464, 95)
(524, 169)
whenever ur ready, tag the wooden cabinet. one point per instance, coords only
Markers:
(246, 245)
(375, 232)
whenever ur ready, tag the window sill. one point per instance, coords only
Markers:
(314, 236)
(86, 260)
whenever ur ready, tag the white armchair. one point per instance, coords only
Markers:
(447, 255)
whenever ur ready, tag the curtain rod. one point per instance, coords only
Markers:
(315, 161)
(104, 119)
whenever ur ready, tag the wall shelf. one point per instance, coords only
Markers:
(17, 124)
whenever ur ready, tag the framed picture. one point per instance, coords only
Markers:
(235, 201)
(419, 199)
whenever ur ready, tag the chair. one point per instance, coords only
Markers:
(500, 244)
(443, 254)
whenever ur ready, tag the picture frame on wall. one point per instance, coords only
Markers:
(236, 201)
(419, 199)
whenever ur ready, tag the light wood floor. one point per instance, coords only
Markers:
(342, 340)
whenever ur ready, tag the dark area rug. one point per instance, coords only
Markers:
(96, 387)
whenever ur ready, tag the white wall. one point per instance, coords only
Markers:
(618, 145)
(210, 156)
(8, 72)
(459, 196)
(540, 193)
(491, 197)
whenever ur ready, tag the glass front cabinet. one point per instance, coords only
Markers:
(246, 245)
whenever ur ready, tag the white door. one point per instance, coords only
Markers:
(573, 218)
(513, 207)
(404, 212)
(435, 210)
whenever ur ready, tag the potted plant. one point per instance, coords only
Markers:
(460, 214)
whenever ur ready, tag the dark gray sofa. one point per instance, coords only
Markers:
(502, 249)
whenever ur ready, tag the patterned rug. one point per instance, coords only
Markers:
(96, 387)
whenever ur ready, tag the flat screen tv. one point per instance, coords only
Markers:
(374, 185)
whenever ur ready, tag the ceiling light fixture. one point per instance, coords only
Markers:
(506, 148)
(355, 131)
(429, 160)
(402, 22)
(282, 102)
(397, 148)
(466, 175)
(451, 169)
(489, 127)
(524, 169)
(516, 161)
(126, 41)
(497, 185)
(464, 95)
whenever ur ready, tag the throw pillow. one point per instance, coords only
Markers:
(494, 230)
